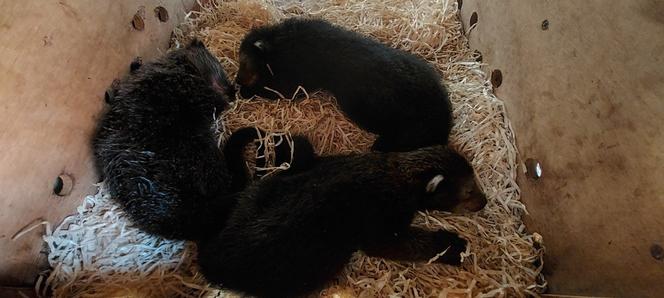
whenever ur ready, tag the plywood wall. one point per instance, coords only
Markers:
(585, 94)
(56, 60)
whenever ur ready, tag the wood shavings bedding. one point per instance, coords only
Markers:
(97, 253)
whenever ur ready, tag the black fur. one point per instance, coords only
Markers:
(387, 91)
(293, 232)
(156, 148)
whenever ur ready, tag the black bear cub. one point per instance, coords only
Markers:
(156, 148)
(384, 90)
(292, 233)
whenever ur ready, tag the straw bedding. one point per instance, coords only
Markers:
(97, 253)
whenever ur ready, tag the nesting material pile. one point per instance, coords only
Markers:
(97, 253)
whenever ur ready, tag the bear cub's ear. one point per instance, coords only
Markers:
(262, 45)
(197, 43)
(433, 183)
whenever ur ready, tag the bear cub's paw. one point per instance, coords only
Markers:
(454, 244)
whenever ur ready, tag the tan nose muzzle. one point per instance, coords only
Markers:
(473, 201)
(476, 203)
(246, 79)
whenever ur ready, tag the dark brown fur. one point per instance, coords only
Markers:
(156, 148)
